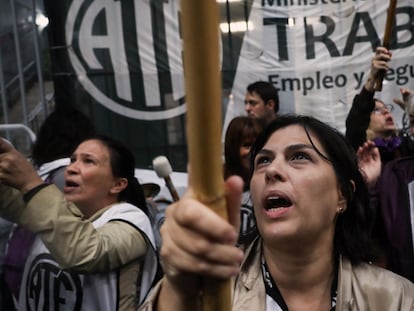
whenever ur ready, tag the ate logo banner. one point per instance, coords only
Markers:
(123, 60)
(128, 54)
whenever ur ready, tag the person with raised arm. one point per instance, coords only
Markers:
(94, 246)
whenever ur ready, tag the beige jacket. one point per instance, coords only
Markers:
(360, 288)
(77, 244)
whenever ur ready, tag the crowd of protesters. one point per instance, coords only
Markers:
(318, 220)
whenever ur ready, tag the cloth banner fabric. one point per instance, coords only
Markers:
(122, 61)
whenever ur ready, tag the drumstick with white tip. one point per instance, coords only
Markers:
(163, 169)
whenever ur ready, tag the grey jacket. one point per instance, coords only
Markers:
(364, 287)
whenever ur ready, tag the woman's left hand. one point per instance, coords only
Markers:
(15, 170)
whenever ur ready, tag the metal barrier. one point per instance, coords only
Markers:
(19, 135)
(21, 66)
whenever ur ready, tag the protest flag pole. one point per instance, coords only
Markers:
(386, 40)
(203, 98)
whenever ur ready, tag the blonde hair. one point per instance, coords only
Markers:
(370, 134)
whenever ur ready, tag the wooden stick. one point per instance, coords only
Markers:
(203, 97)
(386, 40)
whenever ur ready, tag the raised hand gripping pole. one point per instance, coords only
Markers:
(387, 38)
(203, 98)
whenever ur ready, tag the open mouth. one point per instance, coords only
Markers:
(277, 202)
(389, 120)
(70, 183)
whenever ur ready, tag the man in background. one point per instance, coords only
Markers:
(262, 101)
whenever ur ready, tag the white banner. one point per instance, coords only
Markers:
(317, 53)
